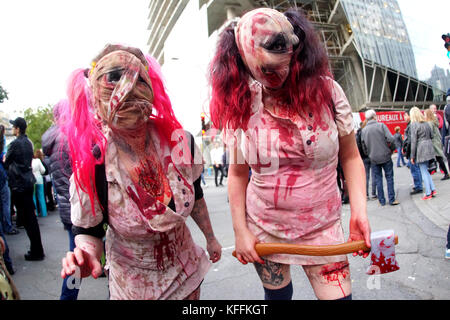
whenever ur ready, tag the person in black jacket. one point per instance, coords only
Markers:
(54, 146)
(367, 163)
(21, 182)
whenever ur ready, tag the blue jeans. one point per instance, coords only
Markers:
(367, 166)
(426, 178)
(416, 175)
(388, 168)
(66, 293)
(40, 194)
(400, 157)
(5, 212)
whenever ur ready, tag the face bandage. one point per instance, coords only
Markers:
(265, 39)
(122, 90)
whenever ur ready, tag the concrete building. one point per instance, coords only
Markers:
(440, 78)
(367, 42)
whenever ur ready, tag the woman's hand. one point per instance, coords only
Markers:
(360, 230)
(245, 247)
(214, 250)
(87, 263)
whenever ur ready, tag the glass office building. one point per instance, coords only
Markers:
(380, 33)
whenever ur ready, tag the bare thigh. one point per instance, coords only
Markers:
(194, 295)
(330, 281)
(273, 275)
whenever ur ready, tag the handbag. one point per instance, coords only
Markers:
(447, 146)
(21, 175)
(432, 166)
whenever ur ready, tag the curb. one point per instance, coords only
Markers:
(437, 218)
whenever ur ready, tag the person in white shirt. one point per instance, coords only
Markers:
(216, 158)
(39, 195)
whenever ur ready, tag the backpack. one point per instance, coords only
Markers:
(342, 184)
(359, 144)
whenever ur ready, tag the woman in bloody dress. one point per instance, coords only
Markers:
(121, 130)
(287, 120)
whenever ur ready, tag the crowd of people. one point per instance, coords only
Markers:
(425, 144)
(421, 144)
(124, 187)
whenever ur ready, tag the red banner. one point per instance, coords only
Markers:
(392, 119)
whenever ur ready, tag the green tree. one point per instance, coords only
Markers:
(38, 122)
(3, 94)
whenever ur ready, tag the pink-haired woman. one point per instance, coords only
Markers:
(121, 130)
(286, 119)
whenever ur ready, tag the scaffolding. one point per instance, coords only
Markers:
(366, 83)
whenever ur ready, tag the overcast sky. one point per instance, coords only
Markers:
(43, 41)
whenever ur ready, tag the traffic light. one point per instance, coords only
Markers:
(446, 38)
(202, 116)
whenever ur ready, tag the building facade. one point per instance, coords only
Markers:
(440, 78)
(367, 42)
(381, 34)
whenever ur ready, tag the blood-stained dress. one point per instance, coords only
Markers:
(293, 196)
(149, 256)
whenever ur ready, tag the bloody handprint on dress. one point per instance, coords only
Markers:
(151, 188)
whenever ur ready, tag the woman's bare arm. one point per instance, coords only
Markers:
(354, 173)
(200, 215)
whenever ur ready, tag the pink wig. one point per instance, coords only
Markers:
(83, 133)
(307, 84)
(164, 119)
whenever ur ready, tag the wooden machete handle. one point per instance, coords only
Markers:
(264, 249)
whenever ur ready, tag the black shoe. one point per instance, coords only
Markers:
(446, 177)
(13, 231)
(10, 269)
(415, 191)
(32, 257)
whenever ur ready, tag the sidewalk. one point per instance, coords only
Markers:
(438, 208)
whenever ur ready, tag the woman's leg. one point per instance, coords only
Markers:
(401, 156)
(276, 280)
(330, 281)
(35, 199)
(41, 197)
(194, 295)
(426, 177)
(442, 165)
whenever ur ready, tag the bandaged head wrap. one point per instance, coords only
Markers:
(265, 39)
(121, 86)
